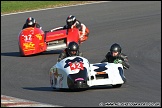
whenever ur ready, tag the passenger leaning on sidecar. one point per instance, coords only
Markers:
(72, 22)
(31, 22)
(71, 50)
(115, 56)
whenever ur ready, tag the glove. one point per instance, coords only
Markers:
(116, 61)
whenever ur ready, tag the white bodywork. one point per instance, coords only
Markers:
(112, 72)
(59, 72)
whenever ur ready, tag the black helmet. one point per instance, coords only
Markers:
(73, 46)
(115, 48)
(30, 22)
(70, 20)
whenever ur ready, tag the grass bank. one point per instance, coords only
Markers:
(20, 6)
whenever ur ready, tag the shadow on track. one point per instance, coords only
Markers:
(52, 90)
(17, 54)
(68, 90)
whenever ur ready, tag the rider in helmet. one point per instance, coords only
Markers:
(31, 22)
(72, 22)
(71, 50)
(115, 56)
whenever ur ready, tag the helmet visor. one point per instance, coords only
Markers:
(30, 23)
(114, 53)
(69, 24)
(73, 53)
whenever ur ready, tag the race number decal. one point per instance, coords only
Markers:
(27, 38)
(76, 65)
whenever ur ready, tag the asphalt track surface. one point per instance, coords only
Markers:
(135, 25)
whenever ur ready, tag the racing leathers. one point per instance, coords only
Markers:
(65, 54)
(121, 58)
(81, 27)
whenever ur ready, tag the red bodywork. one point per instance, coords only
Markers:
(34, 40)
(31, 41)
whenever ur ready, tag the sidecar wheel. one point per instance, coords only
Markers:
(117, 86)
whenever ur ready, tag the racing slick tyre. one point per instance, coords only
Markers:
(117, 86)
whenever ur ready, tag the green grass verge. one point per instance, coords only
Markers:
(19, 6)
